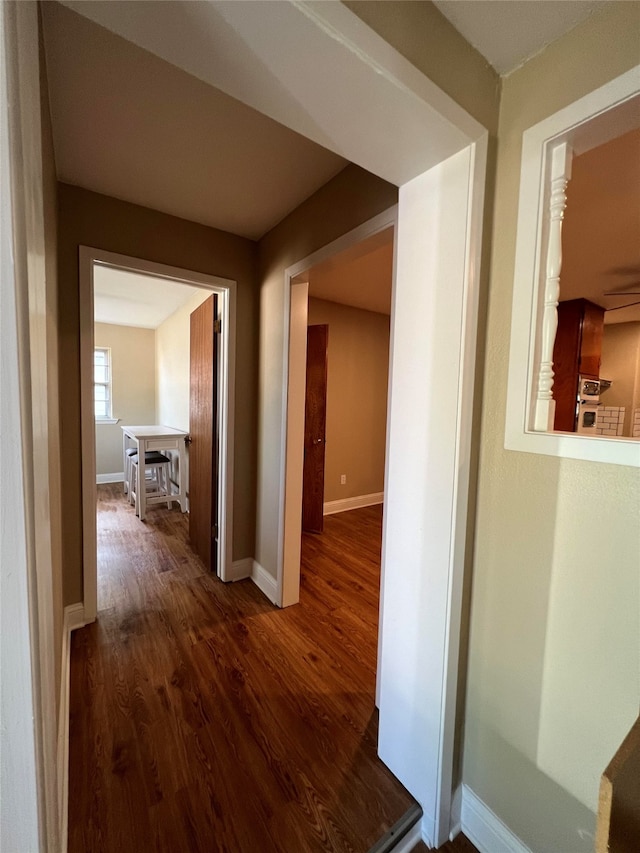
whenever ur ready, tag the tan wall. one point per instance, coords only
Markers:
(90, 219)
(553, 663)
(621, 364)
(357, 377)
(352, 197)
(172, 364)
(50, 236)
(133, 388)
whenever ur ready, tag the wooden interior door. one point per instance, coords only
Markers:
(315, 421)
(203, 455)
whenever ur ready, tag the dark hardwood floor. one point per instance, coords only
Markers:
(204, 719)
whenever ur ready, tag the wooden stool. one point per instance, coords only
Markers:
(158, 488)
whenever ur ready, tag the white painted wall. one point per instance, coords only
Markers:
(133, 388)
(172, 372)
(172, 365)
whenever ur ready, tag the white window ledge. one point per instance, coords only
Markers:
(107, 420)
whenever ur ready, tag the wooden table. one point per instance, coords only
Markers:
(159, 438)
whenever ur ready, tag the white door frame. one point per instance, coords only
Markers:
(296, 308)
(226, 290)
(434, 321)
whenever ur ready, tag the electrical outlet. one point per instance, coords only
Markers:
(343, 479)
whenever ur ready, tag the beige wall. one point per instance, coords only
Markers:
(90, 219)
(133, 388)
(553, 659)
(621, 364)
(172, 364)
(352, 197)
(357, 376)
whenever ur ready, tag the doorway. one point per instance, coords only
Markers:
(349, 295)
(348, 311)
(90, 260)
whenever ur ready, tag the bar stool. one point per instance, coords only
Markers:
(158, 486)
(132, 451)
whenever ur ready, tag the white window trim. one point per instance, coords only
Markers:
(582, 125)
(108, 419)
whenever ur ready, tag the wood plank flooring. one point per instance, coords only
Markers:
(205, 719)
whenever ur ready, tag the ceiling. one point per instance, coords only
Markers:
(601, 228)
(131, 299)
(509, 33)
(132, 126)
(360, 276)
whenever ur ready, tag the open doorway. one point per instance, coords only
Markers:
(347, 376)
(349, 296)
(137, 320)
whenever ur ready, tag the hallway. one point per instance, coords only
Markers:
(204, 719)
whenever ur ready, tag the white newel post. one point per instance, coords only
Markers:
(561, 157)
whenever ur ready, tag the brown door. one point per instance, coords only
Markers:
(203, 457)
(314, 429)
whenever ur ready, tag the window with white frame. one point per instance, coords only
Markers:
(547, 150)
(102, 383)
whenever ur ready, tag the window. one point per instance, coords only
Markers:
(102, 383)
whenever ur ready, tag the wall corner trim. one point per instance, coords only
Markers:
(73, 618)
(485, 829)
(240, 569)
(331, 507)
(456, 813)
(265, 582)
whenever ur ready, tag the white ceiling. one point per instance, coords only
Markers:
(508, 32)
(130, 125)
(132, 299)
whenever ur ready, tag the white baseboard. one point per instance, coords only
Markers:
(240, 569)
(110, 478)
(485, 829)
(346, 504)
(73, 618)
(413, 837)
(265, 582)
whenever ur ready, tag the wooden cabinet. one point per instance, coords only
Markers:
(576, 352)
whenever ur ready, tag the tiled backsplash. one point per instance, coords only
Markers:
(610, 420)
(635, 426)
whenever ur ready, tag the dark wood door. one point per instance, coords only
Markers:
(315, 420)
(203, 457)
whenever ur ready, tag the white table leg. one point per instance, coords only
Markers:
(141, 485)
(182, 462)
(125, 442)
